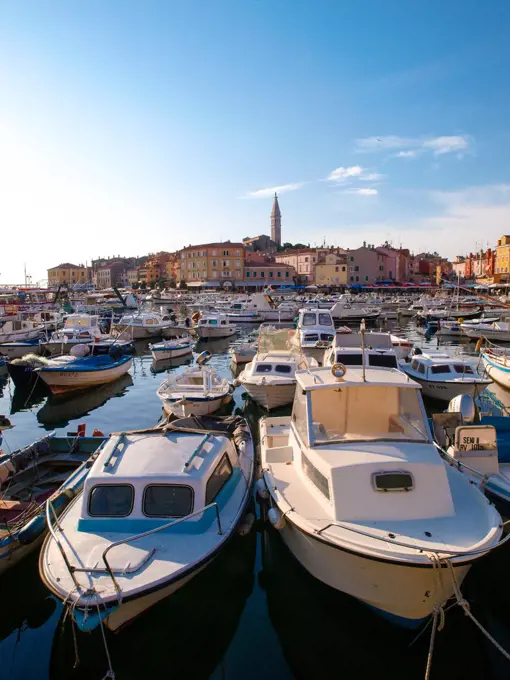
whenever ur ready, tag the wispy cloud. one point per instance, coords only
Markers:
(362, 192)
(270, 191)
(409, 147)
(372, 177)
(442, 145)
(341, 174)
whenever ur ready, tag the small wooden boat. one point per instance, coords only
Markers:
(52, 467)
(157, 507)
(171, 349)
(198, 390)
(243, 353)
(496, 361)
(83, 372)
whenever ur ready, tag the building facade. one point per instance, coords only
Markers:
(331, 270)
(365, 265)
(260, 274)
(502, 259)
(302, 260)
(68, 274)
(212, 264)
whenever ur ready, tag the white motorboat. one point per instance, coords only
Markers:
(198, 390)
(347, 350)
(140, 326)
(498, 331)
(214, 326)
(496, 362)
(443, 377)
(362, 498)
(243, 352)
(157, 507)
(344, 312)
(402, 346)
(78, 329)
(19, 330)
(171, 349)
(315, 332)
(270, 378)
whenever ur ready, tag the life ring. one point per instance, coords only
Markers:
(338, 370)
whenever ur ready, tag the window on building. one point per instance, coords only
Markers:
(214, 253)
(343, 269)
(357, 278)
(262, 275)
(356, 268)
(351, 258)
(381, 268)
(337, 269)
(270, 275)
(214, 263)
(279, 275)
(247, 274)
(366, 278)
(225, 252)
(306, 259)
(238, 263)
(254, 275)
(238, 252)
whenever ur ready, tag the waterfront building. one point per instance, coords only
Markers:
(331, 270)
(212, 264)
(68, 274)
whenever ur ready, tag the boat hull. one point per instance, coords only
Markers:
(199, 407)
(240, 356)
(447, 391)
(403, 592)
(170, 332)
(160, 354)
(214, 333)
(500, 374)
(17, 351)
(271, 396)
(136, 332)
(66, 381)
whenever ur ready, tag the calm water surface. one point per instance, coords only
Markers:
(255, 612)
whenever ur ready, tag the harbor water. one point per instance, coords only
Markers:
(254, 613)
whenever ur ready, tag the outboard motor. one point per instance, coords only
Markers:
(203, 357)
(465, 405)
(79, 350)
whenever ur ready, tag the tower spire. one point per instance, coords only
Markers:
(276, 222)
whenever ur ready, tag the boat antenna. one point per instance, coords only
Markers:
(362, 329)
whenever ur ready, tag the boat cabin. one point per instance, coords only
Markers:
(362, 449)
(315, 325)
(141, 481)
(439, 366)
(346, 349)
(215, 321)
(144, 320)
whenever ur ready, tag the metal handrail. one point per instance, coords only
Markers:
(459, 464)
(423, 549)
(70, 568)
(156, 530)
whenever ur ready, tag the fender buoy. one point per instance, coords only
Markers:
(479, 344)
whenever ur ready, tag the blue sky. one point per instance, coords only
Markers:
(128, 127)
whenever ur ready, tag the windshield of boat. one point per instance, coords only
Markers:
(366, 413)
(309, 319)
(277, 340)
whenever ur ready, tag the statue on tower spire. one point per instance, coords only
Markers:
(276, 222)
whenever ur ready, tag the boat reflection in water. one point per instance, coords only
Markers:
(185, 636)
(326, 634)
(60, 410)
(215, 345)
(25, 399)
(166, 364)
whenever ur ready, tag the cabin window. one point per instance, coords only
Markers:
(218, 479)
(383, 360)
(340, 414)
(311, 337)
(316, 477)
(282, 368)
(421, 368)
(223, 323)
(299, 415)
(213, 322)
(309, 319)
(349, 359)
(111, 500)
(167, 500)
(414, 365)
(442, 368)
(324, 320)
(394, 480)
(327, 337)
(460, 368)
(264, 368)
(149, 322)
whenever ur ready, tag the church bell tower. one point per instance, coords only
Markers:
(276, 222)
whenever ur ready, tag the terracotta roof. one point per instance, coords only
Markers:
(66, 265)
(212, 245)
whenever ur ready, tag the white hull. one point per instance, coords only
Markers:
(65, 381)
(137, 332)
(271, 396)
(240, 356)
(501, 375)
(19, 352)
(214, 333)
(184, 408)
(398, 590)
(274, 315)
(175, 331)
(446, 391)
(498, 336)
(20, 336)
(160, 354)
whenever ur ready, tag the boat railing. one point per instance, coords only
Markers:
(108, 569)
(391, 538)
